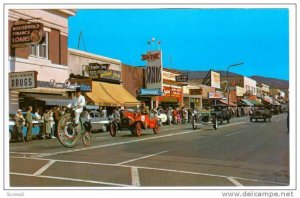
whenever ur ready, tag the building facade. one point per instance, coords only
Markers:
(48, 60)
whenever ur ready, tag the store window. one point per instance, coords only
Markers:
(41, 50)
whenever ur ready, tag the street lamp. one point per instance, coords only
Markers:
(233, 65)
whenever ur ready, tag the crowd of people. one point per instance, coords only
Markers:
(46, 119)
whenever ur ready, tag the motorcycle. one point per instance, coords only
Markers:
(69, 134)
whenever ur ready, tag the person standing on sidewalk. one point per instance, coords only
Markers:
(28, 122)
(19, 123)
(57, 115)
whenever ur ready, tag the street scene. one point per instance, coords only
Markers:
(176, 157)
(97, 100)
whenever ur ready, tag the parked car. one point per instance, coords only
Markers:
(98, 122)
(261, 113)
(162, 116)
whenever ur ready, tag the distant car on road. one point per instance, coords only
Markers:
(261, 113)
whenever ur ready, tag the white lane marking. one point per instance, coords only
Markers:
(44, 168)
(234, 181)
(144, 157)
(24, 153)
(227, 125)
(135, 176)
(71, 179)
(234, 133)
(159, 169)
(263, 125)
(126, 142)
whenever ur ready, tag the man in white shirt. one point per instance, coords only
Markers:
(79, 103)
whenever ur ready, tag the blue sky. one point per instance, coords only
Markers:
(191, 39)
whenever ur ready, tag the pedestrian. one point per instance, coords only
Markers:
(19, 124)
(37, 114)
(57, 115)
(47, 124)
(174, 116)
(29, 124)
(51, 117)
(179, 114)
(169, 114)
(104, 112)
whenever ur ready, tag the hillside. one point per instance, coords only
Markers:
(273, 82)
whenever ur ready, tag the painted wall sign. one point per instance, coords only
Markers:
(23, 80)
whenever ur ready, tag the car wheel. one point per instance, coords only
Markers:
(138, 129)
(228, 120)
(250, 119)
(113, 129)
(156, 129)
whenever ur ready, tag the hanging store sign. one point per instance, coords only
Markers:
(182, 78)
(24, 34)
(215, 79)
(151, 56)
(215, 95)
(154, 70)
(239, 91)
(96, 66)
(150, 92)
(23, 80)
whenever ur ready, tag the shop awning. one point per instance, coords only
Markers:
(267, 100)
(106, 94)
(226, 103)
(246, 102)
(50, 99)
(255, 102)
(276, 103)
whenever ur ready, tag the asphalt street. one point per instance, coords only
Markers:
(241, 153)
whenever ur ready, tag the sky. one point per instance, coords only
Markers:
(191, 39)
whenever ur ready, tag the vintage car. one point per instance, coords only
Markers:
(132, 119)
(261, 113)
(222, 114)
(204, 118)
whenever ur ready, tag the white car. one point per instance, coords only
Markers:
(162, 116)
(99, 123)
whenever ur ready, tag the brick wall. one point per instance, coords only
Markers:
(133, 78)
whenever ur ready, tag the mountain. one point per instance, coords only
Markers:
(272, 82)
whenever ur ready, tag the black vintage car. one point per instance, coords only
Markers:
(261, 113)
(222, 114)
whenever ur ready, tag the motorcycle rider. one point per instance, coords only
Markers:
(78, 102)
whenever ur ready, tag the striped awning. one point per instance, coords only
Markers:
(50, 99)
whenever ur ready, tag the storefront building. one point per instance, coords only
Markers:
(102, 74)
(38, 71)
(192, 95)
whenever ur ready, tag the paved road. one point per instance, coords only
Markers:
(237, 154)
